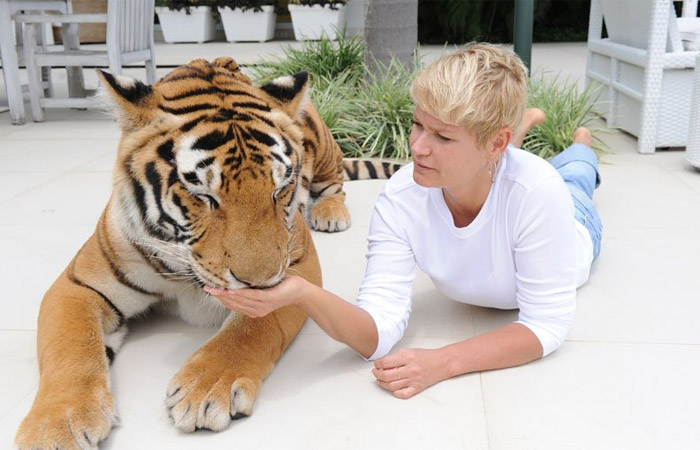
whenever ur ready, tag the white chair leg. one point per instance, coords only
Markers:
(45, 71)
(10, 68)
(36, 89)
(151, 69)
(71, 41)
(48, 82)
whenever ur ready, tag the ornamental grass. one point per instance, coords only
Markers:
(370, 113)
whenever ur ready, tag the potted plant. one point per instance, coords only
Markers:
(247, 20)
(316, 19)
(186, 20)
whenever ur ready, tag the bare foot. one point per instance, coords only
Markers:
(532, 118)
(582, 135)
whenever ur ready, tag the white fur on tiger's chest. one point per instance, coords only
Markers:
(195, 307)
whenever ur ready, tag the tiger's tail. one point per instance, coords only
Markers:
(368, 169)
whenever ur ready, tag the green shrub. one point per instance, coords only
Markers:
(566, 109)
(370, 113)
(243, 5)
(177, 5)
(333, 98)
(322, 58)
(378, 117)
(332, 3)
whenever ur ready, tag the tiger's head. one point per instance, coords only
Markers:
(209, 171)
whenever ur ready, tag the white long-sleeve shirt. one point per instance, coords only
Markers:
(524, 250)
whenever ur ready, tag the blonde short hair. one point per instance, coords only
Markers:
(482, 87)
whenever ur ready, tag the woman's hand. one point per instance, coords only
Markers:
(410, 371)
(261, 302)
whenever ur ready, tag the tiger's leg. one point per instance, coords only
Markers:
(327, 210)
(220, 382)
(73, 407)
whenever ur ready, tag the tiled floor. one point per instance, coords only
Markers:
(627, 377)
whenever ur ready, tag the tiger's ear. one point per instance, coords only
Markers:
(290, 91)
(132, 101)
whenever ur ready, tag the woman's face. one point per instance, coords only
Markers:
(444, 155)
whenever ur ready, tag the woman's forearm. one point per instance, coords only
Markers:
(511, 345)
(411, 370)
(342, 321)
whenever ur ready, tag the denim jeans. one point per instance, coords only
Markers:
(578, 166)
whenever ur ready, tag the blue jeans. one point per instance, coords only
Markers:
(578, 166)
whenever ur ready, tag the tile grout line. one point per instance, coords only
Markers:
(673, 174)
(57, 139)
(483, 408)
(41, 184)
(481, 387)
(58, 175)
(589, 341)
(9, 410)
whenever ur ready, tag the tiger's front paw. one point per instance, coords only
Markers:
(329, 214)
(206, 393)
(75, 419)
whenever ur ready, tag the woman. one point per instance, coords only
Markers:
(492, 226)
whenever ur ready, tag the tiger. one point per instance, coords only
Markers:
(216, 183)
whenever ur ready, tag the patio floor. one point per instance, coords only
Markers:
(627, 377)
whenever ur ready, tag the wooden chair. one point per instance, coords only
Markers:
(129, 39)
(12, 53)
(644, 67)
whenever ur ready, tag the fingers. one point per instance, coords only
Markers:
(388, 375)
(391, 361)
(243, 301)
(403, 373)
(406, 392)
(394, 381)
(251, 294)
(394, 386)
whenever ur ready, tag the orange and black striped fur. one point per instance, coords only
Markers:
(213, 181)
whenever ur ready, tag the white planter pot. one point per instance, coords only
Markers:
(198, 26)
(315, 22)
(248, 25)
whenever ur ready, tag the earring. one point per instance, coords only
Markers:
(493, 169)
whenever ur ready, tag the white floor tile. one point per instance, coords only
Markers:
(636, 193)
(33, 256)
(71, 199)
(19, 380)
(321, 395)
(50, 156)
(675, 163)
(15, 183)
(103, 163)
(642, 289)
(67, 124)
(597, 396)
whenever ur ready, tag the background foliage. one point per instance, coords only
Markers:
(461, 21)
(369, 113)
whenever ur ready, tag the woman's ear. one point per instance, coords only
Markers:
(500, 142)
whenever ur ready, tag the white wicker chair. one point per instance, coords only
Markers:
(645, 72)
(692, 151)
(129, 39)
